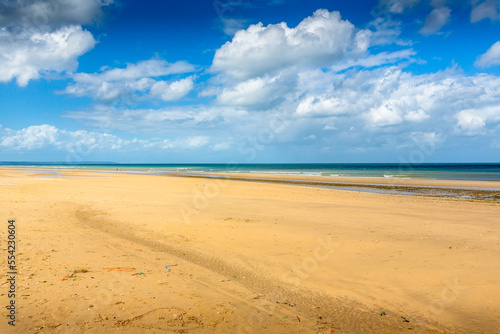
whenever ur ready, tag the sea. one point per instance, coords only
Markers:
(438, 171)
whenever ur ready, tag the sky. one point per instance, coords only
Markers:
(234, 81)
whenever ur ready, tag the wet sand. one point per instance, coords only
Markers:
(471, 190)
(251, 257)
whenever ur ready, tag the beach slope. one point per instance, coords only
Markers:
(113, 252)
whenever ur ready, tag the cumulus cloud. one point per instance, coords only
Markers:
(48, 136)
(263, 92)
(490, 58)
(316, 41)
(389, 97)
(347, 92)
(172, 91)
(473, 121)
(51, 13)
(43, 136)
(488, 9)
(416, 115)
(321, 78)
(28, 55)
(39, 37)
(436, 20)
(343, 94)
(386, 114)
(32, 137)
(322, 106)
(135, 81)
(352, 95)
(393, 106)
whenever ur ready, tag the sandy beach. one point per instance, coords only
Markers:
(103, 252)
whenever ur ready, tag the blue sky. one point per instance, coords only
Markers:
(250, 81)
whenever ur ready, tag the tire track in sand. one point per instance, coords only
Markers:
(346, 315)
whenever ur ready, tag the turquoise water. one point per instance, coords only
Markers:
(476, 172)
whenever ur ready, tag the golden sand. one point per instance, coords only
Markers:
(250, 257)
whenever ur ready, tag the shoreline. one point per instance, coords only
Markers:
(360, 180)
(476, 172)
(488, 191)
(470, 190)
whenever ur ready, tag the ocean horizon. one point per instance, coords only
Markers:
(440, 171)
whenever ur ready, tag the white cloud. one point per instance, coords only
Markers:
(384, 115)
(53, 13)
(387, 103)
(263, 92)
(32, 137)
(48, 136)
(313, 88)
(134, 81)
(427, 139)
(490, 58)
(416, 115)
(156, 121)
(198, 141)
(42, 37)
(322, 106)
(317, 41)
(389, 97)
(386, 31)
(221, 146)
(473, 121)
(29, 54)
(349, 93)
(172, 91)
(329, 127)
(436, 20)
(397, 6)
(489, 9)
(143, 69)
(470, 123)
(379, 59)
(231, 26)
